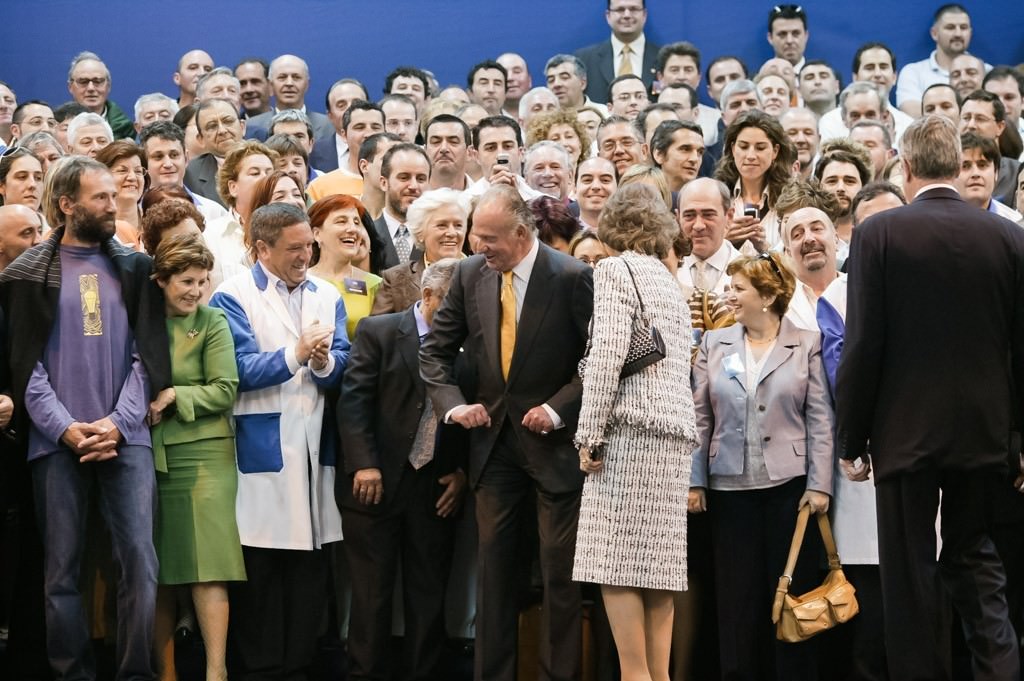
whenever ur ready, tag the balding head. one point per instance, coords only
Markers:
(810, 239)
(705, 209)
(20, 229)
(289, 79)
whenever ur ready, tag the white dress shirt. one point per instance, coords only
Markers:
(707, 119)
(225, 238)
(636, 59)
(916, 77)
(341, 147)
(715, 277)
(831, 125)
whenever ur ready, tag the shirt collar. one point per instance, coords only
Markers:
(721, 258)
(738, 188)
(265, 278)
(301, 108)
(525, 266)
(637, 46)
(422, 328)
(393, 223)
(933, 64)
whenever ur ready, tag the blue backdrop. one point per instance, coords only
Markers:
(141, 40)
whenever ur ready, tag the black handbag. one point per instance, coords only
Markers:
(646, 346)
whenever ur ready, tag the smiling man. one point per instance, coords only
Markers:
(810, 241)
(595, 183)
(547, 169)
(89, 84)
(620, 142)
(404, 174)
(163, 144)
(626, 52)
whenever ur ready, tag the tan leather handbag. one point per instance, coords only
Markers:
(798, 618)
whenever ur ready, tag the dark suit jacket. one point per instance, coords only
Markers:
(201, 177)
(550, 340)
(390, 254)
(322, 125)
(934, 338)
(401, 285)
(382, 401)
(325, 153)
(598, 59)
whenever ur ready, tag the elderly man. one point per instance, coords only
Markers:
(220, 83)
(567, 77)
(951, 31)
(289, 81)
(862, 100)
(810, 241)
(192, 66)
(705, 210)
(8, 103)
(507, 302)
(88, 133)
(332, 151)
(153, 107)
(738, 96)
(219, 128)
(253, 76)
(89, 84)
(20, 230)
(519, 81)
(291, 348)
(596, 181)
(620, 142)
(548, 169)
(539, 100)
(81, 295)
(966, 73)
(888, 393)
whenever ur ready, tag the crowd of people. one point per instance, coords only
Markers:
(273, 376)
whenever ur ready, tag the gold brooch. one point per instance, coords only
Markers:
(192, 333)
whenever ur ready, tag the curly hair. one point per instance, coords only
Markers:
(540, 126)
(164, 215)
(233, 163)
(637, 219)
(845, 150)
(779, 172)
(769, 275)
(800, 193)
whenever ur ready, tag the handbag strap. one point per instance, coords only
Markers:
(643, 310)
(794, 551)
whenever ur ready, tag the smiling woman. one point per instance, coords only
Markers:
(125, 160)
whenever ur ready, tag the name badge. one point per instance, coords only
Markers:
(732, 365)
(357, 286)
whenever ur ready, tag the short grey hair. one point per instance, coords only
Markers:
(219, 71)
(305, 66)
(438, 276)
(82, 120)
(873, 123)
(510, 199)
(862, 87)
(85, 56)
(931, 147)
(527, 99)
(547, 144)
(291, 116)
(423, 207)
(154, 98)
(738, 87)
(559, 59)
(40, 138)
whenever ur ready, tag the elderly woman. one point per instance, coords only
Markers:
(339, 233)
(765, 425)
(635, 435)
(437, 222)
(562, 126)
(195, 534)
(21, 178)
(652, 177)
(45, 146)
(757, 161)
(127, 164)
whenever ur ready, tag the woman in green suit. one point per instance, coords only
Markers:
(194, 447)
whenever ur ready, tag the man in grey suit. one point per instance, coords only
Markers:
(626, 52)
(220, 128)
(931, 377)
(289, 81)
(521, 311)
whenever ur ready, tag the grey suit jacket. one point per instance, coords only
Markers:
(201, 177)
(793, 406)
(598, 59)
(322, 126)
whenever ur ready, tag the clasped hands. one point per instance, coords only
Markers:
(537, 420)
(314, 346)
(93, 442)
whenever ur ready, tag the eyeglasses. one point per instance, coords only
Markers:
(771, 261)
(85, 82)
(121, 171)
(626, 143)
(626, 10)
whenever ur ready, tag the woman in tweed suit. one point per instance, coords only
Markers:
(635, 436)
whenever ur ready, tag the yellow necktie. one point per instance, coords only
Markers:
(626, 65)
(508, 322)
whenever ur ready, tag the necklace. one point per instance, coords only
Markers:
(765, 341)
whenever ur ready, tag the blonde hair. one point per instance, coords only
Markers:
(648, 175)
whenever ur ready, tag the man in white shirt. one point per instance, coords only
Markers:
(862, 101)
(810, 241)
(547, 169)
(978, 171)
(819, 86)
(788, 34)
(705, 210)
(519, 81)
(627, 52)
(498, 145)
(163, 144)
(330, 151)
(872, 63)
(801, 126)
(951, 31)
(567, 78)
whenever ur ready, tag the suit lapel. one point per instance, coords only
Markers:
(488, 305)
(408, 341)
(607, 62)
(789, 338)
(732, 342)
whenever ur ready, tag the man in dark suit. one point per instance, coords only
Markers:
(404, 174)
(627, 51)
(220, 128)
(521, 310)
(930, 378)
(289, 81)
(399, 494)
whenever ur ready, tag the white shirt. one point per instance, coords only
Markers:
(636, 59)
(707, 119)
(714, 268)
(341, 147)
(603, 108)
(210, 209)
(803, 307)
(225, 238)
(916, 77)
(831, 125)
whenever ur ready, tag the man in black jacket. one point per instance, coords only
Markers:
(930, 377)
